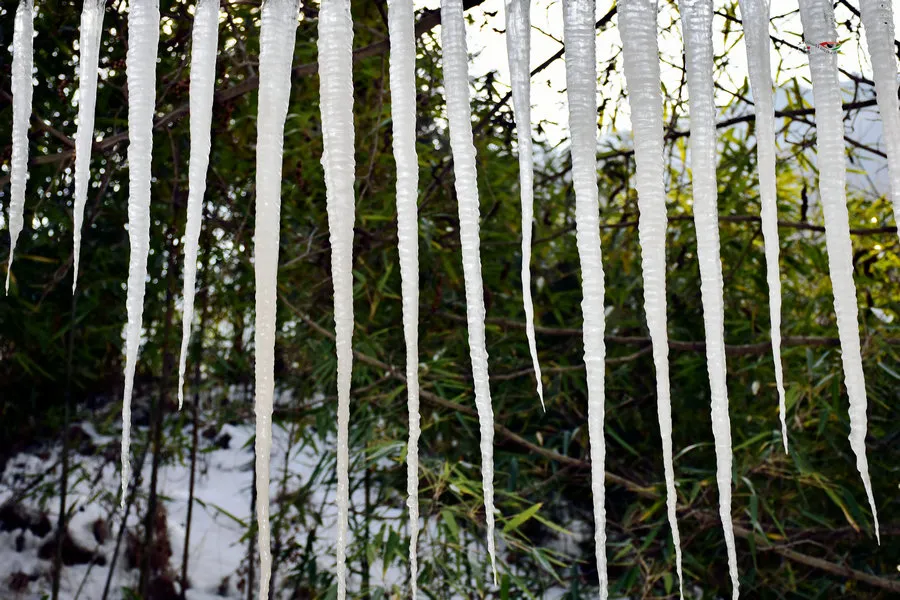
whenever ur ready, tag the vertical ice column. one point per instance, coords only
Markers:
(276, 52)
(143, 40)
(518, 48)
(637, 24)
(456, 86)
(401, 27)
(204, 42)
(581, 84)
(755, 17)
(88, 61)
(22, 91)
(336, 102)
(817, 17)
(878, 19)
(696, 24)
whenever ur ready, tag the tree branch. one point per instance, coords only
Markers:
(756, 348)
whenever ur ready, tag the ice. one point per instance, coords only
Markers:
(143, 39)
(696, 25)
(817, 17)
(755, 17)
(88, 60)
(22, 90)
(401, 27)
(459, 113)
(518, 48)
(637, 24)
(336, 103)
(205, 36)
(277, 35)
(581, 83)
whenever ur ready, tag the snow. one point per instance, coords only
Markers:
(336, 103)
(143, 39)
(205, 36)
(755, 18)
(277, 37)
(220, 521)
(637, 24)
(459, 113)
(581, 82)
(22, 91)
(878, 20)
(401, 27)
(518, 48)
(696, 23)
(817, 17)
(88, 60)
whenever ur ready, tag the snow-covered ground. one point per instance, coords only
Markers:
(222, 511)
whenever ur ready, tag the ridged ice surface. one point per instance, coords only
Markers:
(88, 61)
(22, 91)
(456, 86)
(637, 25)
(140, 67)
(696, 26)
(336, 103)
(401, 27)
(878, 19)
(755, 17)
(276, 51)
(204, 41)
(518, 49)
(817, 17)
(581, 83)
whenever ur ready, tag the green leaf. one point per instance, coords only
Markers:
(520, 518)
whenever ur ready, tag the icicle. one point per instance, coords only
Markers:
(817, 17)
(518, 48)
(336, 103)
(696, 23)
(581, 83)
(143, 39)
(88, 59)
(401, 27)
(459, 113)
(878, 19)
(22, 89)
(637, 25)
(276, 52)
(755, 16)
(205, 37)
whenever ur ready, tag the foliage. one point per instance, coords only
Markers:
(811, 498)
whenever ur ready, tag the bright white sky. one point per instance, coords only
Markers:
(548, 101)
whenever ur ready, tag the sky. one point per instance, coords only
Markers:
(486, 40)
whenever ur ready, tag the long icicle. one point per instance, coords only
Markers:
(581, 84)
(640, 51)
(143, 40)
(22, 92)
(518, 49)
(459, 113)
(878, 19)
(204, 41)
(401, 27)
(338, 161)
(88, 61)
(276, 52)
(696, 24)
(817, 17)
(755, 17)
